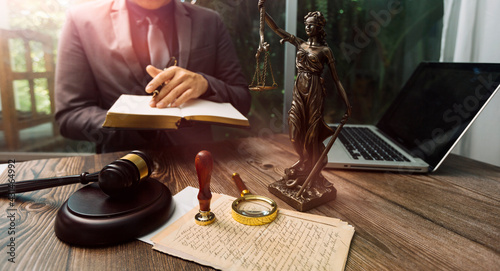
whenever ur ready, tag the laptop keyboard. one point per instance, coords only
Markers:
(363, 142)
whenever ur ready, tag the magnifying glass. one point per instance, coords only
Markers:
(251, 209)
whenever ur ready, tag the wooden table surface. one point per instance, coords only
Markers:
(448, 220)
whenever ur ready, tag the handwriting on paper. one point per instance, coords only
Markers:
(294, 241)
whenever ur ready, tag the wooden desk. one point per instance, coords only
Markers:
(445, 220)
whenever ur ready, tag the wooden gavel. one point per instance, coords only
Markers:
(120, 178)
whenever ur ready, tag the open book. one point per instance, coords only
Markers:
(134, 112)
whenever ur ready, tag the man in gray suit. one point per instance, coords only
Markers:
(103, 53)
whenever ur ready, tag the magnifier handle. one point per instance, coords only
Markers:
(239, 183)
(204, 165)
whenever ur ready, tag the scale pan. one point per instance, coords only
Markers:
(262, 88)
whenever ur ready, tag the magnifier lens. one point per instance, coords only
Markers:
(254, 208)
(251, 209)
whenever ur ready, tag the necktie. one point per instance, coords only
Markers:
(158, 49)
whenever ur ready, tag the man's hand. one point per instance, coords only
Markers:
(180, 86)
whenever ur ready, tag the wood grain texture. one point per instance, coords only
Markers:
(448, 220)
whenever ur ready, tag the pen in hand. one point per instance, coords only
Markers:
(171, 62)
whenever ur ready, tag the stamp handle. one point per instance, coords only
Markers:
(204, 165)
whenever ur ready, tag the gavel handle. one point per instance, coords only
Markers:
(32, 185)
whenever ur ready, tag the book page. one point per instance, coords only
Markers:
(198, 109)
(294, 241)
(133, 111)
(139, 105)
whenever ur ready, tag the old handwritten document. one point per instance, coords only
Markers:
(294, 241)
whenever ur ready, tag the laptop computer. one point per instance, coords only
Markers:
(425, 121)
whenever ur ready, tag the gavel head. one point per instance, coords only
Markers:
(121, 177)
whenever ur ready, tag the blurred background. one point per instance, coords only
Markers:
(377, 45)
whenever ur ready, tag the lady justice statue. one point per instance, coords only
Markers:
(303, 185)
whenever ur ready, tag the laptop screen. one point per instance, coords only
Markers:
(437, 104)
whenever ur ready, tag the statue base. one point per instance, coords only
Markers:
(307, 200)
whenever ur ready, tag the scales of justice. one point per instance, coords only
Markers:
(303, 186)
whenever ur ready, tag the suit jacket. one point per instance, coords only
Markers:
(97, 63)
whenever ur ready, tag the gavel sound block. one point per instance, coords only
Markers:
(91, 217)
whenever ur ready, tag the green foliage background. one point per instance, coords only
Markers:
(44, 17)
(372, 75)
(372, 72)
